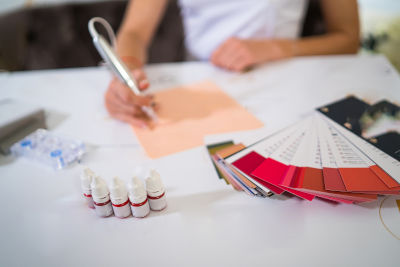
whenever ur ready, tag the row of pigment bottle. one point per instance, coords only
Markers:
(137, 200)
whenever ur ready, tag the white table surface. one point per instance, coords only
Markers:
(44, 220)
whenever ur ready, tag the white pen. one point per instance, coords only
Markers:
(115, 62)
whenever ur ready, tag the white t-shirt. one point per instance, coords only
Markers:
(208, 23)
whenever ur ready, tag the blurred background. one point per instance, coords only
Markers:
(46, 34)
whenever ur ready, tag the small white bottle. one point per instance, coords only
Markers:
(138, 198)
(86, 180)
(155, 191)
(119, 198)
(101, 197)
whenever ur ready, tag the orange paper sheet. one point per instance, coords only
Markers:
(188, 113)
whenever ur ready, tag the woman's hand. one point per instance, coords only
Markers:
(124, 105)
(342, 37)
(240, 54)
(134, 36)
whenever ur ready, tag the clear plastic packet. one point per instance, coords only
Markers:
(49, 149)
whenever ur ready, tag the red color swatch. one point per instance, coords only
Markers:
(251, 161)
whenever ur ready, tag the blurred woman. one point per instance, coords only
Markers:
(231, 34)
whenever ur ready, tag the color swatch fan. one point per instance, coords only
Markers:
(315, 157)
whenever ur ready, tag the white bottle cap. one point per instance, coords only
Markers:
(118, 190)
(154, 184)
(86, 179)
(137, 192)
(99, 188)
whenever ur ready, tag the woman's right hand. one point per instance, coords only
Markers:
(134, 36)
(124, 105)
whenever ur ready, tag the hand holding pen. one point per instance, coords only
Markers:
(124, 99)
(124, 105)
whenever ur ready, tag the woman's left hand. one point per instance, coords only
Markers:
(239, 54)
